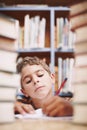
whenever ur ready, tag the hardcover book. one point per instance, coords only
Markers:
(8, 61)
(79, 116)
(81, 47)
(9, 27)
(6, 112)
(78, 8)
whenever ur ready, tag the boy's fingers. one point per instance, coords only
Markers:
(23, 108)
(28, 108)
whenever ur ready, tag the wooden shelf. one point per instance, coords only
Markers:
(48, 2)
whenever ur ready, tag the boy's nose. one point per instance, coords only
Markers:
(35, 80)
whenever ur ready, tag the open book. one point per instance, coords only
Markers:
(39, 115)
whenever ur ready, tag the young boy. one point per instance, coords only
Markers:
(36, 83)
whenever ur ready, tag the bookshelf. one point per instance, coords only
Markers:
(50, 13)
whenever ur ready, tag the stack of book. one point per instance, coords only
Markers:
(79, 25)
(8, 76)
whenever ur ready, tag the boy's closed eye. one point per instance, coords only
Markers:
(28, 80)
(40, 73)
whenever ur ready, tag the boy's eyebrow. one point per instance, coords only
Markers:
(30, 74)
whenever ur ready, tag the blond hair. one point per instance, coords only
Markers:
(31, 61)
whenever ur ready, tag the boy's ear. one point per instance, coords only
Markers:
(23, 91)
(53, 77)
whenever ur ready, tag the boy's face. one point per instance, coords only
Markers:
(36, 81)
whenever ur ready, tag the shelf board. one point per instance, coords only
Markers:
(57, 50)
(64, 53)
(34, 50)
(28, 8)
(60, 50)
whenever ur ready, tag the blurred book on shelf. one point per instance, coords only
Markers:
(64, 35)
(65, 69)
(34, 32)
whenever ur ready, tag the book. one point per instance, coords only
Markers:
(32, 32)
(7, 112)
(78, 18)
(79, 116)
(81, 47)
(7, 93)
(80, 75)
(8, 61)
(8, 79)
(9, 27)
(42, 32)
(8, 44)
(81, 33)
(78, 8)
(78, 21)
(26, 31)
(80, 92)
(80, 59)
(65, 68)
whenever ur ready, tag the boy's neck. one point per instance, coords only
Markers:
(39, 102)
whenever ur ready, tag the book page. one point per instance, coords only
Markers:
(39, 115)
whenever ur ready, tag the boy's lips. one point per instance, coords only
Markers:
(38, 88)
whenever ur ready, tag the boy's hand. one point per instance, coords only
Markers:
(23, 108)
(57, 106)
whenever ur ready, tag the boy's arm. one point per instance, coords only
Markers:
(23, 105)
(57, 106)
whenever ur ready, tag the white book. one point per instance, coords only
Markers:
(65, 33)
(79, 33)
(9, 27)
(7, 93)
(81, 47)
(61, 23)
(80, 75)
(32, 33)
(7, 112)
(8, 61)
(37, 24)
(42, 32)
(79, 115)
(65, 74)
(80, 93)
(80, 59)
(9, 79)
(78, 20)
(70, 75)
(58, 33)
(78, 8)
(60, 62)
(26, 31)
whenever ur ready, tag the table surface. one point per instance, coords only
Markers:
(40, 124)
